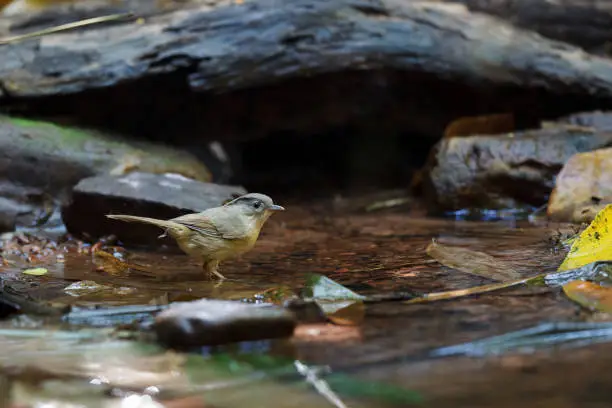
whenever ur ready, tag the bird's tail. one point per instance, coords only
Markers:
(132, 218)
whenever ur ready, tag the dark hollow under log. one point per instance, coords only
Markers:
(306, 66)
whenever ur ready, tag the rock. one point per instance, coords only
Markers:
(210, 322)
(583, 187)
(9, 212)
(599, 120)
(587, 24)
(503, 171)
(144, 194)
(40, 162)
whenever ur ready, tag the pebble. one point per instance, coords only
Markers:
(208, 322)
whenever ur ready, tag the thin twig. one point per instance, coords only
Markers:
(65, 27)
(458, 293)
(319, 384)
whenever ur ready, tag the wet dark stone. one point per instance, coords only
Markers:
(9, 210)
(503, 171)
(209, 322)
(143, 194)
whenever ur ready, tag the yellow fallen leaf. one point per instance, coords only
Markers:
(593, 244)
(35, 271)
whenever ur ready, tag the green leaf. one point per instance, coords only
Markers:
(341, 305)
(320, 287)
(35, 271)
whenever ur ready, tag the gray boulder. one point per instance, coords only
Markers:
(503, 171)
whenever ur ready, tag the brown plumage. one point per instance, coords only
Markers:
(218, 233)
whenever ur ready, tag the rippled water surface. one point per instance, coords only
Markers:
(369, 253)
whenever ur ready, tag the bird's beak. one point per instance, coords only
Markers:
(275, 207)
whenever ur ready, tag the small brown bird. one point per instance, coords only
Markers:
(218, 233)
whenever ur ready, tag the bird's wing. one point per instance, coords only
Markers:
(199, 223)
(203, 223)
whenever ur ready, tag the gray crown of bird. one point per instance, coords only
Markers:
(218, 233)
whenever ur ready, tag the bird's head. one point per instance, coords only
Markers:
(256, 205)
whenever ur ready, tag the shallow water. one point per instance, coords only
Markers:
(369, 253)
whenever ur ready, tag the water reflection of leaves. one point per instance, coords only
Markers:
(590, 295)
(107, 363)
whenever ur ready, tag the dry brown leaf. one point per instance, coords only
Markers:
(481, 125)
(472, 262)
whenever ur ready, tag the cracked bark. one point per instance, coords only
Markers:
(248, 70)
(586, 24)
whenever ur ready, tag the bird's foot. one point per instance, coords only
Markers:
(216, 273)
(212, 267)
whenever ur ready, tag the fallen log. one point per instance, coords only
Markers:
(586, 24)
(307, 65)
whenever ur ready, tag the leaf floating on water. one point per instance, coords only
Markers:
(114, 266)
(472, 262)
(341, 305)
(36, 271)
(593, 244)
(590, 295)
(588, 252)
(109, 263)
(320, 287)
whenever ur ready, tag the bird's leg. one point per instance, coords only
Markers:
(211, 266)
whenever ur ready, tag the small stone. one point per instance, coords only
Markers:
(583, 187)
(210, 322)
(503, 171)
(160, 196)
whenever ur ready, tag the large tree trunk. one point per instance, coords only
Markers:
(303, 65)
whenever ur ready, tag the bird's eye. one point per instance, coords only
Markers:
(257, 205)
